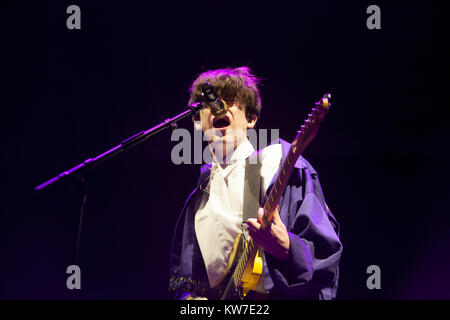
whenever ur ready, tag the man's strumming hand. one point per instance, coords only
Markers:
(274, 239)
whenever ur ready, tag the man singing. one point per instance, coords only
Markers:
(301, 247)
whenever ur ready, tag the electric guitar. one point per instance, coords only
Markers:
(245, 264)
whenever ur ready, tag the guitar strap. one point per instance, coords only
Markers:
(252, 199)
(252, 190)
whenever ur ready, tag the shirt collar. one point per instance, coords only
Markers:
(242, 152)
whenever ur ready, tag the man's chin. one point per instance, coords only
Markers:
(224, 142)
(223, 148)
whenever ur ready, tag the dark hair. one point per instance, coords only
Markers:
(237, 84)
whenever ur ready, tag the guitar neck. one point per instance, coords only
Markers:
(304, 137)
(282, 178)
(270, 205)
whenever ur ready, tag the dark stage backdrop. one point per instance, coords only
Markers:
(67, 95)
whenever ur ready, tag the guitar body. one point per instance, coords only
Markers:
(252, 273)
(227, 289)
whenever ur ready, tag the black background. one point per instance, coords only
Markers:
(67, 95)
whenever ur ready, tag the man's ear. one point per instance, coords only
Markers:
(251, 124)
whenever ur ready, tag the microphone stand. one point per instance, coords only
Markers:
(126, 144)
(79, 170)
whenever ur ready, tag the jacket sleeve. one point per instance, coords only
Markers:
(311, 270)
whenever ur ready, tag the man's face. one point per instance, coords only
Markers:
(226, 133)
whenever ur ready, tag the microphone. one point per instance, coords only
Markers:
(217, 106)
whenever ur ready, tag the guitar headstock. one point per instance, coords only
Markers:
(310, 126)
(307, 132)
(318, 112)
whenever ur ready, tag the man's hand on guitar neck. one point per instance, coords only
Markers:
(274, 239)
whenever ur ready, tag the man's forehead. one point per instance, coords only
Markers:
(229, 98)
(226, 96)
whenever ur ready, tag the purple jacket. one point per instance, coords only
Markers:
(311, 271)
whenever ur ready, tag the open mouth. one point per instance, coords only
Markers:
(221, 122)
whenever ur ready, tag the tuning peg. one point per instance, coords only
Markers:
(325, 100)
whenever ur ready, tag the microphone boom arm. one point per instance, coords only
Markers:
(126, 144)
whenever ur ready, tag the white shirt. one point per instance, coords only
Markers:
(218, 222)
